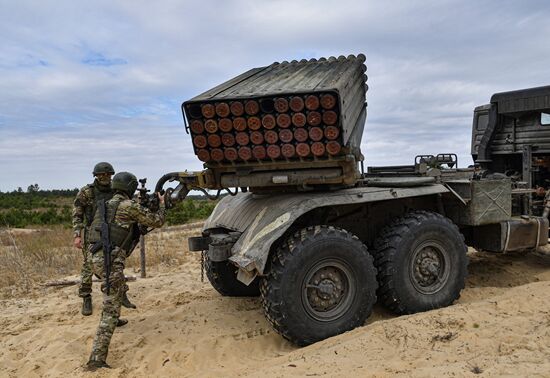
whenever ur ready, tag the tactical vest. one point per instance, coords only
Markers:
(97, 195)
(91, 209)
(119, 236)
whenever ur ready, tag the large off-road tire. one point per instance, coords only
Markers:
(322, 282)
(421, 261)
(223, 277)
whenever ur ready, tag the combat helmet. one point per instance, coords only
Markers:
(125, 182)
(103, 167)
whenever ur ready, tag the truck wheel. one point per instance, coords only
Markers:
(322, 282)
(421, 261)
(223, 277)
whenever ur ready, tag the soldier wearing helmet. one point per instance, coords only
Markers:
(84, 209)
(123, 215)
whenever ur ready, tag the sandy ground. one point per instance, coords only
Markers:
(182, 327)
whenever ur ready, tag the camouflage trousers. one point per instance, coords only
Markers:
(111, 301)
(86, 274)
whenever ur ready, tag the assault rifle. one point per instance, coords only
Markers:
(106, 242)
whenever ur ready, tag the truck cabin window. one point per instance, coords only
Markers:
(545, 119)
(482, 121)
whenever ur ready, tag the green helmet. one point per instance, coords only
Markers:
(103, 167)
(125, 182)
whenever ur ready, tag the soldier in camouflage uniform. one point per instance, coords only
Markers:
(123, 215)
(84, 209)
(83, 212)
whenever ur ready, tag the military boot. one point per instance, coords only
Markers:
(121, 322)
(87, 305)
(93, 365)
(126, 302)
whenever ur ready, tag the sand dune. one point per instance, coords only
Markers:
(499, 327)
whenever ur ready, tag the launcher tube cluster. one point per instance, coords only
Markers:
(301, 121)
(271, 128)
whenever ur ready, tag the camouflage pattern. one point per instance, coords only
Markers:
(128, 213)
(83, 209)
(111, 302)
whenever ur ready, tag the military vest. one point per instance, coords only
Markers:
(119, 236)
(97, 196)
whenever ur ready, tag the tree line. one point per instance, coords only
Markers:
(49, 207)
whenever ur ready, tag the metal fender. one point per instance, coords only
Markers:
(262, 219)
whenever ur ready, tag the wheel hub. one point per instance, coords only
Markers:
(428, 266)
(325, 288)
(429, 272)
(326, 291)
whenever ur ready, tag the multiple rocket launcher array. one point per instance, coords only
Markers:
(272, 128)
(289, 124)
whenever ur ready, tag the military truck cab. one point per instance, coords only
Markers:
(511, 136)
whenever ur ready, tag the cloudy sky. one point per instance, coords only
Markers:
(82, 82)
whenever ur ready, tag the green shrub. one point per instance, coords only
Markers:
(49, 207)
(188, 210)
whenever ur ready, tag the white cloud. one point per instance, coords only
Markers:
(84, 82)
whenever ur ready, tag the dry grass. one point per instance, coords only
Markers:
(31, 257)
(166, 247)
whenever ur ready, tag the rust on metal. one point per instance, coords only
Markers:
(314, 118)
(256, 137)
(333, 147)
(211, 126)
(331, 132)
(288, 150)
(216, 154)
(302, 149)
(200, 141)
(242, 138)
(281, 105)
(297, 108)
(239, 124)
(225, 125)
(245, 153)
(197, 126)
(228, 140)
(254, 123)
(299, 119)
(273, 151)
(271, 136)
(251, 107)
(300, 135)
(237, 108)
(230, 154)
(208, 110)
(316, 134)
(259, 152)
(203, 155)
(330, 117)
(283, 120)
(268, 121)
(328, 101)
(318, 149)
(222, 109)
(296, 104)
(312, 102)
(286, 135)
(214, 140)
